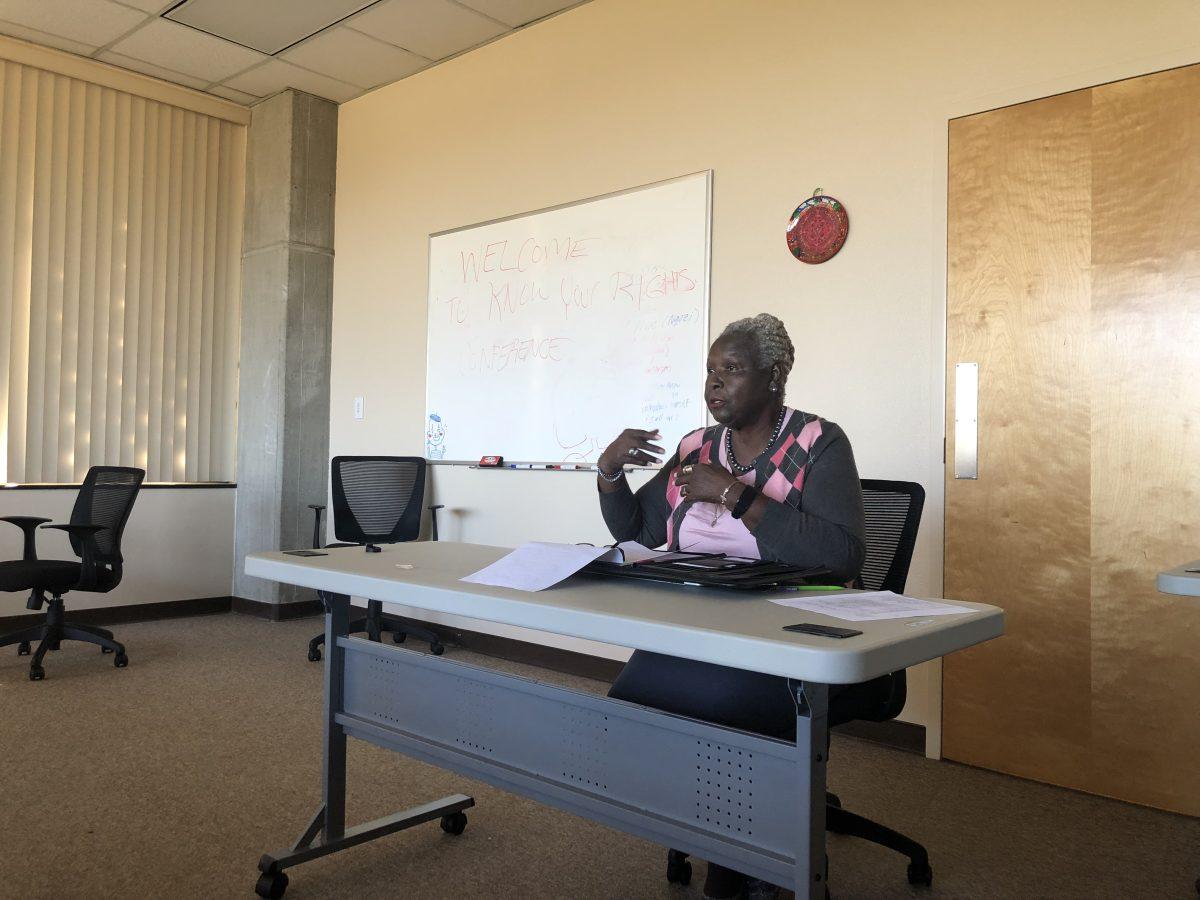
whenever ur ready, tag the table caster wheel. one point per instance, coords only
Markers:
(455, 823)
(679, 870)
(314, 655)
(36, 673)
(271, 885)
(121, 660)
(23, 648)
(399, 637)
(920, 873)
(437, 649)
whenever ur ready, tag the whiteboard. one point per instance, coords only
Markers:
(552, 331)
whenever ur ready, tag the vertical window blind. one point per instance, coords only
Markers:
(120, 264)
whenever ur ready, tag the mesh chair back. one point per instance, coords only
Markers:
(893, 514)
(377, 499)
(106, 498)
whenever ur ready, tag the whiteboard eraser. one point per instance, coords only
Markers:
(490, 462)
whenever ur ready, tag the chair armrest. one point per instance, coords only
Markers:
(317, 509)
(27, 524)
(85, 533)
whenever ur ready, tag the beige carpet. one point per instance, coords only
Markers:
(170, 778)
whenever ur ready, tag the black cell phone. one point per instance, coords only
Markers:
(823, 630)
(305, 553)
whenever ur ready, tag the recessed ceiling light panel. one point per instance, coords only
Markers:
(264, 25)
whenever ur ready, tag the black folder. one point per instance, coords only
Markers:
(711, 570)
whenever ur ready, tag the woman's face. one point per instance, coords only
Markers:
(736, 390)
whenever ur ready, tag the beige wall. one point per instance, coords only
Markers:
(777, 98)
(178, 545)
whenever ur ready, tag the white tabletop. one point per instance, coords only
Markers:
(1183, 579)
(739, 629)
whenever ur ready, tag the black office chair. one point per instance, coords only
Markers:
(101, 510)
(377, 500)
(893, 514)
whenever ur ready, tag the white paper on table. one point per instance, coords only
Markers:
(537, 565)
(870, 606)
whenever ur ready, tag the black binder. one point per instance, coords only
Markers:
(711, 570)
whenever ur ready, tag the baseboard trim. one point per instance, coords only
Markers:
(276, 612)
(901, 735)
(130, 612)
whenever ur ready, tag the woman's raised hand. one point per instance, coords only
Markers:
(632, 447)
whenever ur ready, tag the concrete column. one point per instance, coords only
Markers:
(287, 297)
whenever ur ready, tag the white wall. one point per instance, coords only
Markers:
(777, 97)
(178, 545)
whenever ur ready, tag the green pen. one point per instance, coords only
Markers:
(817, 587)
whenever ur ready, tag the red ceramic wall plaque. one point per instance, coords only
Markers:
(817, 229)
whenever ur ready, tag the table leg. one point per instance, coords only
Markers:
(812, 740)
(329, 822)
(333, 762)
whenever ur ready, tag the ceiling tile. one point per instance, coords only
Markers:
(278, 75)
(229, 93)
(351, 56)
(150, 6)
(46, 40)
(432, 28)
(266, 25)
(136, 65)
(186, 50)
(95, 22)
(518, 12)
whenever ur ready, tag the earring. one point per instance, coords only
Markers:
(774, 388)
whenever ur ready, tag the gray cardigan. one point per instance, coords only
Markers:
(825, 530)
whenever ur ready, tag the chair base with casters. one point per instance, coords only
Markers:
(842, 821)
(50, 635)
(375, 625)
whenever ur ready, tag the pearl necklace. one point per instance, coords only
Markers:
(737, 467)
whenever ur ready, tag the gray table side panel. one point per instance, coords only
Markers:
(709, 781)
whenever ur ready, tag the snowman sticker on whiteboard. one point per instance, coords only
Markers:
(435, 438)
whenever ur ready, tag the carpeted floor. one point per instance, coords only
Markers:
(170, 778)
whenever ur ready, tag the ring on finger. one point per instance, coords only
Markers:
(633, 451)
(683, 490)
(687, 470)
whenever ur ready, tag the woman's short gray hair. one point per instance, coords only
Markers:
(769, 337)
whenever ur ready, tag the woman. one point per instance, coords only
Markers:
(766, 482)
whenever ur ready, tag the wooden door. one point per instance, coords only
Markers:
(1074, 283)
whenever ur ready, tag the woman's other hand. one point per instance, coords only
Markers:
(705, 482)
(632, 447)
